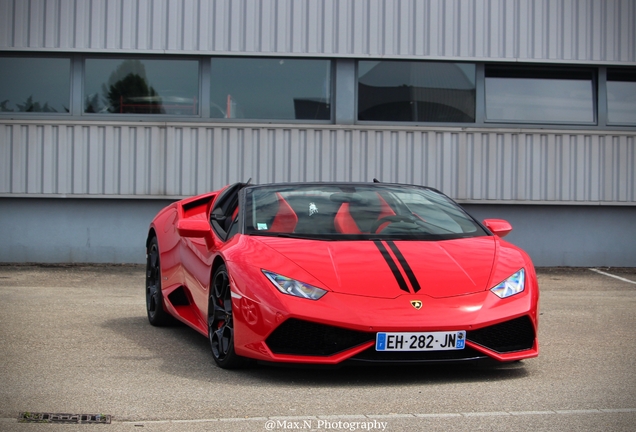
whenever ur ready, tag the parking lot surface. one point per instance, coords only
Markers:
(75, 340)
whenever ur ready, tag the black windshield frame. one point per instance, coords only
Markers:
(401, 229)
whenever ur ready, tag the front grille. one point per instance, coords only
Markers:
(514, 335)
(298, 337)
(307, 338)
(371, 355)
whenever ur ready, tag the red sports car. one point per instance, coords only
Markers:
(326, 273)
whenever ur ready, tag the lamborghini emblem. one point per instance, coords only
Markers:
(417, 304)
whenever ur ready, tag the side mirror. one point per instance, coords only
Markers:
(197, 228)
(499, 227)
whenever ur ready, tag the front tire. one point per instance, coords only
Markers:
(221, 322)
(157, 315)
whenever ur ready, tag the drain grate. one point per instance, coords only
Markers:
(33, 417)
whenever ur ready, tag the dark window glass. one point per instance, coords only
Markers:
(539, 95)
(350, 211)
(416, 91)
(132, 86)
(35, 84)
(621, 96)
(282, 89)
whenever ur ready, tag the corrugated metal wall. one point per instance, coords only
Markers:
(151, 159)
(545, 30)
(178, 160)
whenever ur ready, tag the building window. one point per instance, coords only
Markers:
(621, 96)
(134, 86)
(404, 91)
(270, 88)
(539, 95)
(35, 84)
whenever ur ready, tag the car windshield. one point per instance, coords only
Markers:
(355, 211)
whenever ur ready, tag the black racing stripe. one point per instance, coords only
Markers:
(405, 265)
(396, 272)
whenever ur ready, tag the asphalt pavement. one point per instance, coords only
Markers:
(75, 340)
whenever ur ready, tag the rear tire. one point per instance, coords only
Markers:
(221, 322)
(157, 315)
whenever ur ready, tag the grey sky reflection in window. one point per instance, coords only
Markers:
(416, 91)
(282, 89)
(534, 95)
(621, 96)
(132, 86)
(35, 84)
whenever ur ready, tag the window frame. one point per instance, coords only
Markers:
(332, 94)
(37, 115)
(619, 70)
(414, 123)
(547, 71)
(141, 116)
(343, 94)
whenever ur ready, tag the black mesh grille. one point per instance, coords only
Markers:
(306, 338)
(371, 355)
(514, 335)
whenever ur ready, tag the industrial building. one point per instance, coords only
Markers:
(518, 109)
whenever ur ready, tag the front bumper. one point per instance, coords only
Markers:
(342, 327)
(297, 338)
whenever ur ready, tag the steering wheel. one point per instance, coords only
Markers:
(390, 219)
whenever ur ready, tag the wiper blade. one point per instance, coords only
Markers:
(289, 235)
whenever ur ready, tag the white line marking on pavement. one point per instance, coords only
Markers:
(613, 276)
(592, 411)
(586, 411)
(389, 416)
(618, 410)
(520, 413)
(486, 414)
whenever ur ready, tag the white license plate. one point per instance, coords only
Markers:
(429, 341)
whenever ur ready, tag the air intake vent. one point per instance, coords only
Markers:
(306, 338)
(514, 335)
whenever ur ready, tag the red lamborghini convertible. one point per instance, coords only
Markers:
(326, 273)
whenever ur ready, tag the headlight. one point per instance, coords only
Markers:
(294, 287)
(511, 286)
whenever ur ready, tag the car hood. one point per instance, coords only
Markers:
(388, 269)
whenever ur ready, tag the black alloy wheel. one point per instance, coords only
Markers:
(157, 316)
(221, 323)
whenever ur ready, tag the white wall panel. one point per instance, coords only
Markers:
(102, 160)
(545, 30)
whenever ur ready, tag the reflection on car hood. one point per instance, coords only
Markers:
(388, 269)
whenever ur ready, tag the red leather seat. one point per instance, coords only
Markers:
(286, 219)
(354, 218)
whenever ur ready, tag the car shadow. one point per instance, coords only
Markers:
(185, 353)
(181, 351)
(363, 375)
